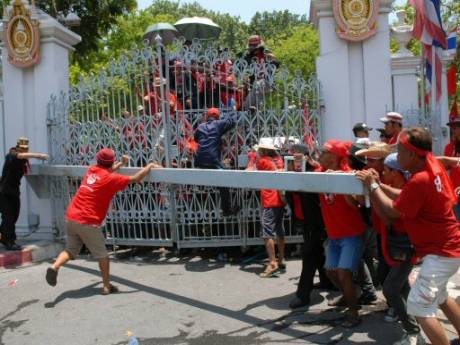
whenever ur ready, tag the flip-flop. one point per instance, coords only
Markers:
(112, 289)
(269, 273)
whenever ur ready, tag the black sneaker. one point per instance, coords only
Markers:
(12, 246)
(51, 276)
(367, 299)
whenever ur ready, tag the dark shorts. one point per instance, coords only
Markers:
(272, 222)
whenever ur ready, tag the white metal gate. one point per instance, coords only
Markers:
(148, 104)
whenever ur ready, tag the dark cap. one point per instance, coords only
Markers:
(361, 126)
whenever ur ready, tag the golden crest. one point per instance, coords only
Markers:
(356, 19)
(22, 37)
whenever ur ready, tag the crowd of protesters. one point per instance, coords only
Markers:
(412, 219)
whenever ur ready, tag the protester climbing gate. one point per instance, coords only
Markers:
(147, 104)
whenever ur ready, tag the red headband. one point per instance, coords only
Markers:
(404, 140)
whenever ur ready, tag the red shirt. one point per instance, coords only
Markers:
(270, 197)
(340, 218)
(91, 203)
(454, 171)
(394, 139)
(428, 217)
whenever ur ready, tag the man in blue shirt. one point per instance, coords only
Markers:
(208, 135)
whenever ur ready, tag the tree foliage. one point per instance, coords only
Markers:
(97, 19)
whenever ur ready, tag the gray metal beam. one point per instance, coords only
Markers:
(337, 183)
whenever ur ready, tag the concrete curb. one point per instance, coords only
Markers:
(30, 253)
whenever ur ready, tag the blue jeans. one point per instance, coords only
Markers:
(344, 253)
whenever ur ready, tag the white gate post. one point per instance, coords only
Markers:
(26, 95)
(355, 76)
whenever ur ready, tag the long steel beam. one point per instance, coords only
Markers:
(337, 183)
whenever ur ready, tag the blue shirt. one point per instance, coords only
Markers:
(209, 137)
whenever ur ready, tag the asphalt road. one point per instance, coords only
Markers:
(169, 300)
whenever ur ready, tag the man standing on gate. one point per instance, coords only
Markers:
(15, 166)
(87, 211)
(208, 135)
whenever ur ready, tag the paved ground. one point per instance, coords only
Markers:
(169, 300)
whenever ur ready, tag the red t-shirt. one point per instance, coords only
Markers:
(340, 218)
(454, 171)
(91, 203)
(270, 197)
(428, 217)
(394, 139)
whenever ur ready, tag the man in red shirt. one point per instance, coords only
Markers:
(272, 208)
(425, 205)
(393, 125)
(345, 228)
(87, 211)
(452, 159)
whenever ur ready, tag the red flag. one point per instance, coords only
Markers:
(452, 80)
(454, 109)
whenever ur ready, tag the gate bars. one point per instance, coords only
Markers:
(148, 104)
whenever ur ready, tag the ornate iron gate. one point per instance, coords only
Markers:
(148, 104)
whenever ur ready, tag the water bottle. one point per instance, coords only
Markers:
(133, 341)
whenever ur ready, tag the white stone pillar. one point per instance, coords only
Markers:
(26, 95)
(444, 103)
(355, 76)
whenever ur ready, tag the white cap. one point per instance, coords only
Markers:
(392, 116)
(266, 143)
(140, 107)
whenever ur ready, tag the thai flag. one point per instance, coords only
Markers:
(452, 41)
(428, 29)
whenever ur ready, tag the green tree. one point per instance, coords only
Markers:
(97, 19)
(299, 51)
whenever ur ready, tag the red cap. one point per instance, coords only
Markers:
(213, 112)
(339, 148)
(105, 157)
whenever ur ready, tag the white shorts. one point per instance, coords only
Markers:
(430, 288)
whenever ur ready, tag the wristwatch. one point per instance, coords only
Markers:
(374, 186)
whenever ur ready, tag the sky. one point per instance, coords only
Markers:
(247, 8)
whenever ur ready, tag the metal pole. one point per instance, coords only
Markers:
(165, 111)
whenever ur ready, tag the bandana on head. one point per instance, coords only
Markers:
(434, 168)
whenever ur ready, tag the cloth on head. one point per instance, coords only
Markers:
(434, 168)
(391, 161)
(340, 149)
(105, 157)
(213, 113)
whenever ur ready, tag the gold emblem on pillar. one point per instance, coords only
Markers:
(22, 36)
(356, 19)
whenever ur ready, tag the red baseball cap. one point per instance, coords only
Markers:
(213, 112)
(339, 148)
(105, 157)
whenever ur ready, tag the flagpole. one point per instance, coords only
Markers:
(423, 82)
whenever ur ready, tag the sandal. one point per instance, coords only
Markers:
(269, 272)
(351, 321)
(110, 290)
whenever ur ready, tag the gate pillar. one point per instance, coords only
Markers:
(27, 91)
(355, 75)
